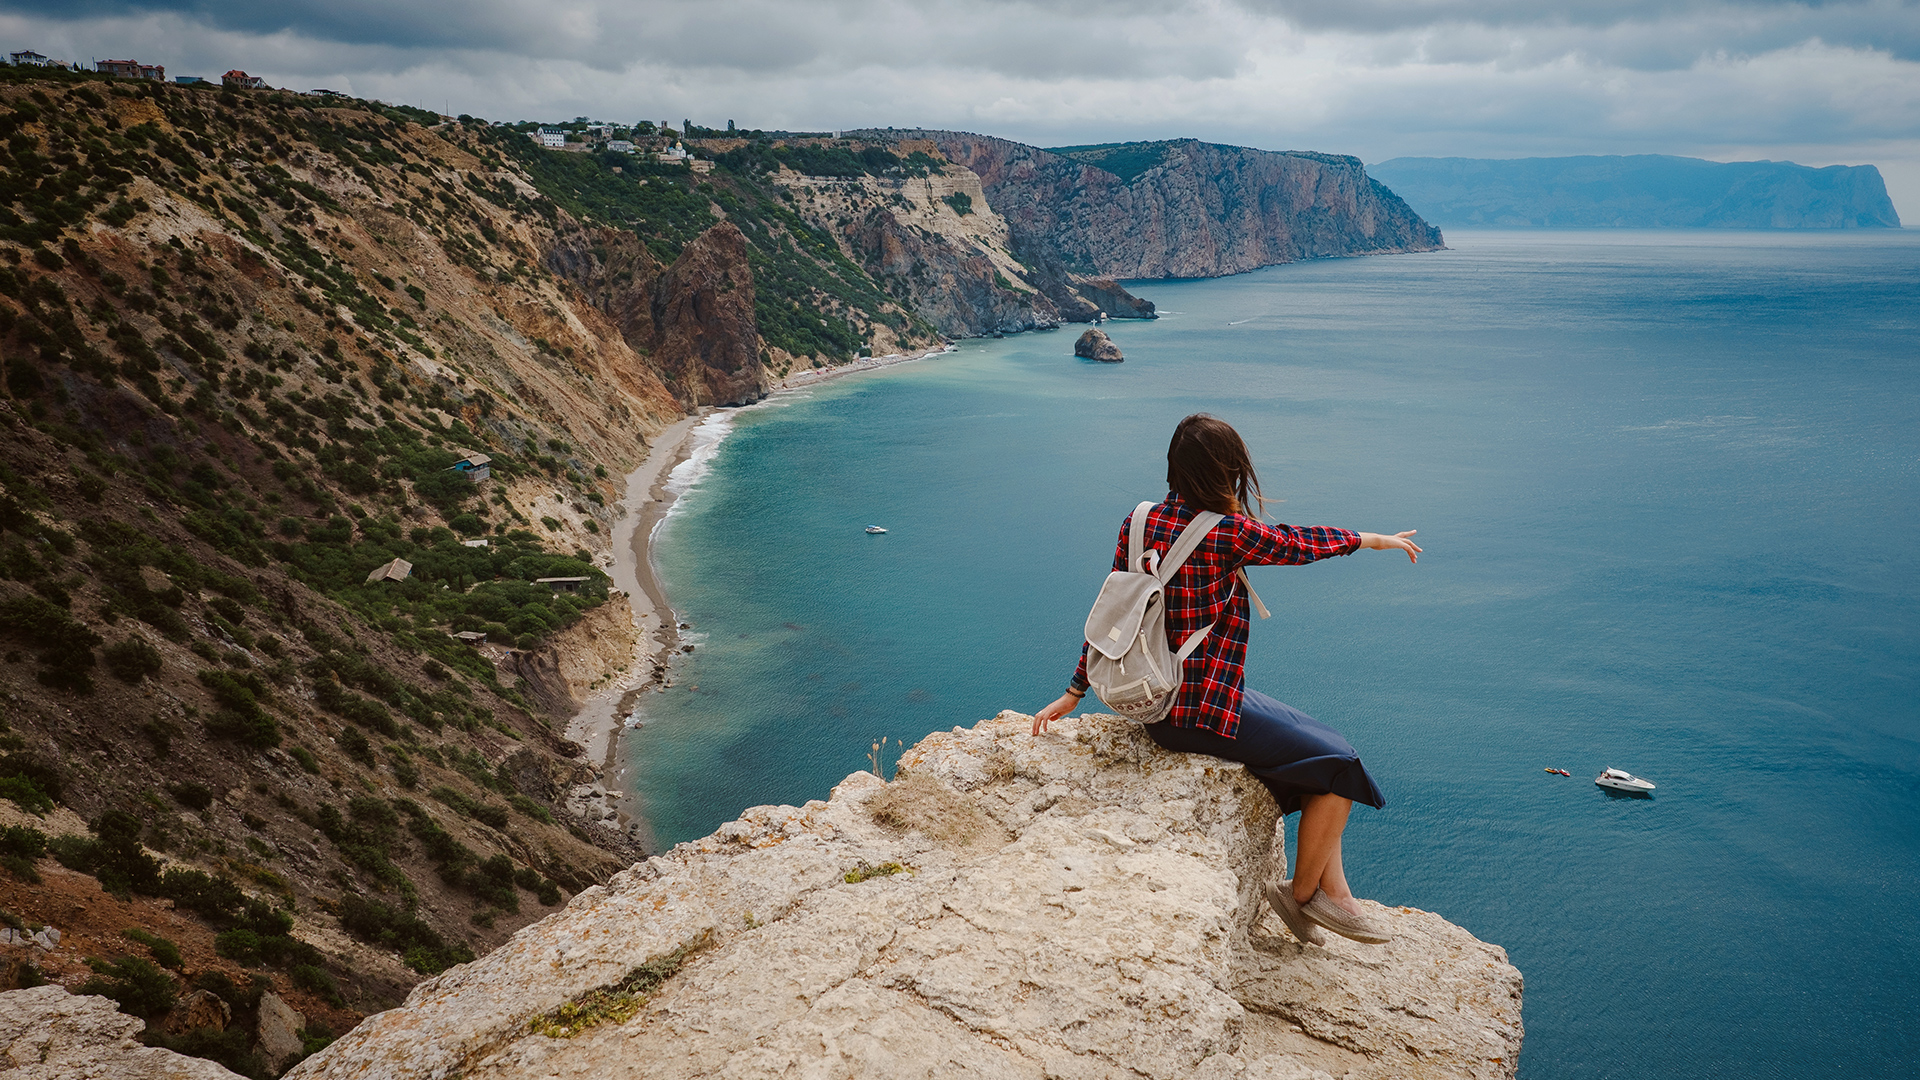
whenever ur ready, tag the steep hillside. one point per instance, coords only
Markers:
(1643, 191)
(244, 340)
(1183, 208)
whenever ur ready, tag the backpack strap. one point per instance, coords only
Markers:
(1253, 596)
(1187, 542)
(1137, 535)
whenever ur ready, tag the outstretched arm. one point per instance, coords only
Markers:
(1396, 542)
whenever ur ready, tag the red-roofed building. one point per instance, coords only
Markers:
(240, 80)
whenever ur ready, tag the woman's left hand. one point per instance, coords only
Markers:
(1396, 542)
(1064, 705)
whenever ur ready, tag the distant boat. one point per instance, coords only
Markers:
(1623, 781)
(1559, 772)
(875, 529)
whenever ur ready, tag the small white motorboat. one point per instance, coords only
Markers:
(1620, 780)
(875, 529)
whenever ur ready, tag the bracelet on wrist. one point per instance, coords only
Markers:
(1075, 694)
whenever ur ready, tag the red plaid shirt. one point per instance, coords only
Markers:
(1203, 592)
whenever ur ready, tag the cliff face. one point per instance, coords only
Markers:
(1186, 208)
(1082, 905)
(693, 320)
(1643, 191)
(936, 241)
(703, 316)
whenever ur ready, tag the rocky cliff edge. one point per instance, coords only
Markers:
(1079, 905)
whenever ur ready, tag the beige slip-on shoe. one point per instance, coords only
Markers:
(1323, 910)
(1280, 899)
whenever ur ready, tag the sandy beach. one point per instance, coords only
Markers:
(598, 723)
(815, 376)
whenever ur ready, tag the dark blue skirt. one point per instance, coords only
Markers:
(1291, 752)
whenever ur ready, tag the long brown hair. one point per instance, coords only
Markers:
(1209, 467)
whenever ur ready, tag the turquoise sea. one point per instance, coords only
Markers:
(1669, 488)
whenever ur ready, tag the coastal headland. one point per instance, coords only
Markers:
(337, 431)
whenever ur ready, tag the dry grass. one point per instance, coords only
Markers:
(924, 803)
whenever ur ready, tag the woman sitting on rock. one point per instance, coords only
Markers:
(1307, 765)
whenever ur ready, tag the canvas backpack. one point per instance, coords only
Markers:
(1130, 664)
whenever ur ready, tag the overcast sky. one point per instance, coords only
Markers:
(1817, 83)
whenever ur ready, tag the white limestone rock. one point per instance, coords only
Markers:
(49, 1034)
(1079, 905)
(278, 1030)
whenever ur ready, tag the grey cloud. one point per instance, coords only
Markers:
(1671, 78)
(1041, 37)
(1644, 34)
(1380, 15)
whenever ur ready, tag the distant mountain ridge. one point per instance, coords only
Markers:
(1642, 191)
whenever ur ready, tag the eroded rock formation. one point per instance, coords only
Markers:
(693, 320)
(1079, 905)
(1185, 208)
(1114, 300)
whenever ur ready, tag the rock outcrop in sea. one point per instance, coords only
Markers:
(1096, 345)
(1078, 905)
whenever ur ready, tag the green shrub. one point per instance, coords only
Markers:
(404, 770)
(165, 952)
(306, 759)
(141, 988)
(365, 712)
(191, 795)
(240, 946)
(355, 745)
(114, 856)
(530, 808)
(420, 945)
(25, 794)
(492, 814)
(66, 646)
(240, 717)
(132, 660)
(316, 1036)
(316, 980)
(20, 841)
(214, 898)
(231, 1048)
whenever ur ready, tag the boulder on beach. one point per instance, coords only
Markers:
(1096, 345)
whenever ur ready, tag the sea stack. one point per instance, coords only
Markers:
(1096, 345)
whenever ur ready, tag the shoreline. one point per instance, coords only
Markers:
(815, 376)
(599, 721)
(604, 718)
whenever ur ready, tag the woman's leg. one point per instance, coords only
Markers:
(1334, 882)
(1317, 851)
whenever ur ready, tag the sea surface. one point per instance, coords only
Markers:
(1668, 484)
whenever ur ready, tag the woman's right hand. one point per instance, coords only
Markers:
(1061, 707)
